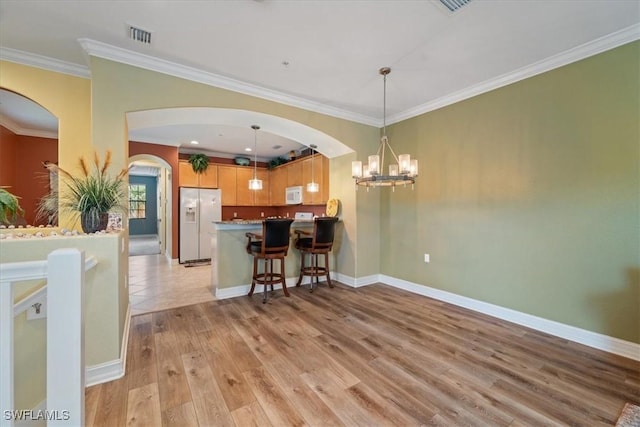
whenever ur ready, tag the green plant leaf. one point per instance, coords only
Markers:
(199, 162)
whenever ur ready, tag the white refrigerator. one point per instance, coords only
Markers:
(199, 207)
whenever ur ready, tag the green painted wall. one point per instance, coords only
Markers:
(528, 197)
(118, 88)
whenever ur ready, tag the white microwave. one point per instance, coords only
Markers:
(294, 195)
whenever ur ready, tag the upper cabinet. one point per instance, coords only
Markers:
(209, 178)
(188, 178)
(278, 185)
(315, 168)
(294, 173)
(262, 197)
(234, 181)
(227, 182)
(299, 173)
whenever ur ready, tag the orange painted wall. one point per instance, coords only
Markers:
(8, 142)
(170, 155)
(30, 180)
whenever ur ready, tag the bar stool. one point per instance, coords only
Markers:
(320, 243)
(272, 244)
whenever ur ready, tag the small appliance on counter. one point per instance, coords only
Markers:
(303, 216)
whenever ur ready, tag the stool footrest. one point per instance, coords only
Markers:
(268, 279)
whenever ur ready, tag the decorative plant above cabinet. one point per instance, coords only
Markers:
(199, 162)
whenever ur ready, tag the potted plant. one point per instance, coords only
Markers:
(9, 206)
(199, 162)
(90, 195)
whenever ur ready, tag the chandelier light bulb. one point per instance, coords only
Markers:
(401, 172)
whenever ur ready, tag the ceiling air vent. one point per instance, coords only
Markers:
(139, 35)
(454, 5)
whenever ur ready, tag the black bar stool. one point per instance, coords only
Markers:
(272, 244)
(320, 243)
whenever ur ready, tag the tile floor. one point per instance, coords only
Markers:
(156, 284)
(146, 244)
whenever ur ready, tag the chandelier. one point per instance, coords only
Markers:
(404, 171)
(255, 183)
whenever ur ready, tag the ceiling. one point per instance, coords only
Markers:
(320, 55)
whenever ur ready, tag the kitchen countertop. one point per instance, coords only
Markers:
(254, 223)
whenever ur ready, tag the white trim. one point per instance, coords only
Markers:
(39, 295)
(113, 369)
(356, 282)
(575, 54)
(44, 62)
(113, 53)
(232, 292)
(14, 127)
(243, 290)
(592, 339)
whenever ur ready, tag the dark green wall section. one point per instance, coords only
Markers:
(528, 197)
(148, 225)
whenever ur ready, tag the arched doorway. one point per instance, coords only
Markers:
(28, 138)
(158, 171)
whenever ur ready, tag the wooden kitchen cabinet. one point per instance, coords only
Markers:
(244, 196)
(277, 186)
(227, 182)
(188, 178)
(294, 174)
(320, 175)
(262, 196)
(209, 178)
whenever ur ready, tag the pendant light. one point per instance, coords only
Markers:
(313, 187)
(404, 171)
(255, 183)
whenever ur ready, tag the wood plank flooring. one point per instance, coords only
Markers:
(372, 356)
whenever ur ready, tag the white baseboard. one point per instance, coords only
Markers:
(592, 339)
(235, 291)
(243, 290)
(356, 282)
(113, 369)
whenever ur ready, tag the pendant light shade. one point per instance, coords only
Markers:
(313, 186)
(255, 183)
(403, 171)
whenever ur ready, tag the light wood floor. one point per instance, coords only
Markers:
(371, 356)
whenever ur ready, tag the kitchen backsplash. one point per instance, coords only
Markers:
(254, 212)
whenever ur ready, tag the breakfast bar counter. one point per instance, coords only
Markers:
(231, 265)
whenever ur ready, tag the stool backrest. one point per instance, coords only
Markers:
(324, 231)
(276, 234)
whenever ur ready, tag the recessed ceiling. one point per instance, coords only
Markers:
(325, 55)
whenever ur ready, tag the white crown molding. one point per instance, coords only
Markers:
(44, 62)
(106, 51)
(18, 130)
(575, 54)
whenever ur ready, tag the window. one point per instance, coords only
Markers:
(137, 201)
